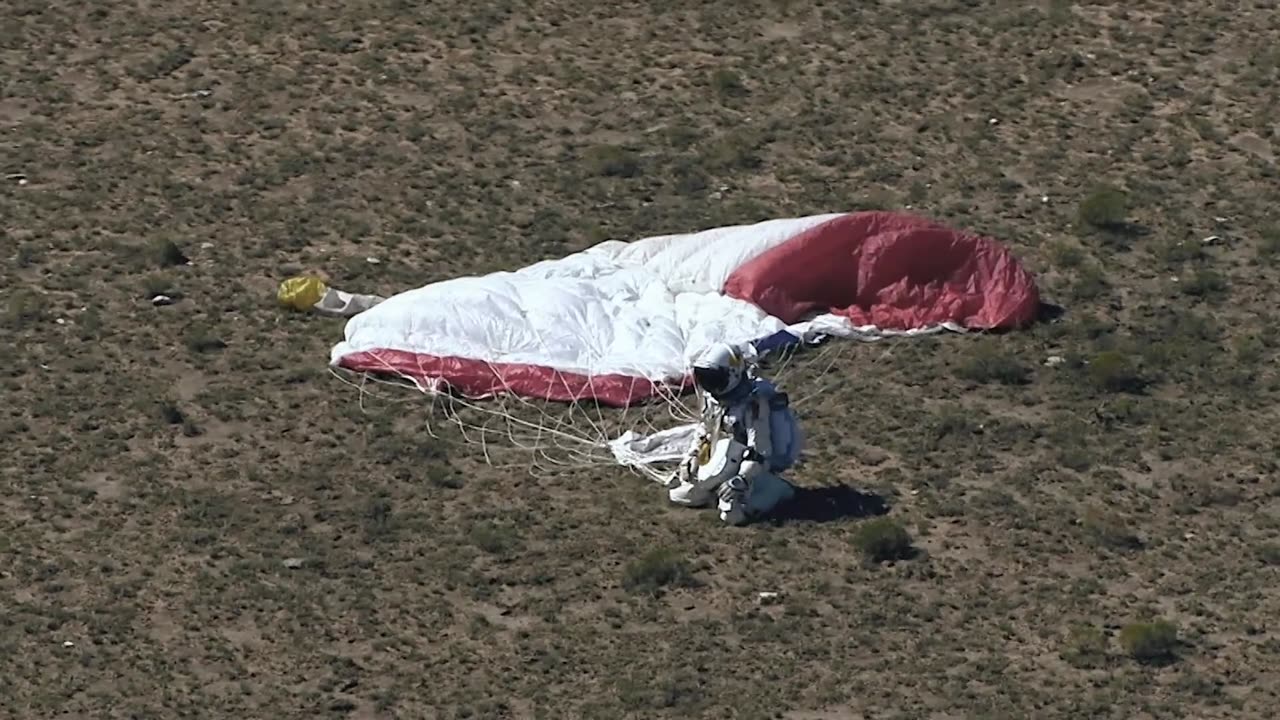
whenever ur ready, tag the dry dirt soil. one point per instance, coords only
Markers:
(199, 520)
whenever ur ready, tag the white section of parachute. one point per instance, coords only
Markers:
(643, 309)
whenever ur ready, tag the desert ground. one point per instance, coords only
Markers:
(1074, 520)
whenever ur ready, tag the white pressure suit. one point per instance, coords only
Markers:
(748, 434)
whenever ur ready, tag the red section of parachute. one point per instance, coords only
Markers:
(478, 378)
(893, 271)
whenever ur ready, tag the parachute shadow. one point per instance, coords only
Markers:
(828, 504)
(1049, 312)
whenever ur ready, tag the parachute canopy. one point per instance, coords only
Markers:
(620, 321)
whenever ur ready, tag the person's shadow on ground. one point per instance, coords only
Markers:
(827, 504)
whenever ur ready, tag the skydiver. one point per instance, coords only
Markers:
(737, 404)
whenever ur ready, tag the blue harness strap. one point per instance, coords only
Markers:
(783, 428)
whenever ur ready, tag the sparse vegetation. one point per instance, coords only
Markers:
(987, 364)
(736, 151)
(199, 520)
(1110, 530)
(201, 339)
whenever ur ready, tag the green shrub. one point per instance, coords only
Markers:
(987, 365)
(738, 150)
(728, 82)
(1150, 641)
(884, 539)
(612, 161)
(166, 253)
(656, 569)
(1067, 256)
(1086, 647)
(1269, 553)
(1205, 282)
(1269, 242)
(1113, 371)
(157, 284)
(25, 308)
(1105, 207)
(1090, 282)
(201, 339)
(493, 538)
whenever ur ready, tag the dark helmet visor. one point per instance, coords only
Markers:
(713, 380)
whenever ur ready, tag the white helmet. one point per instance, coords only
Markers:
(719, 369)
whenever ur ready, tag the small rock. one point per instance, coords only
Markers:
(1212, 240)
(993, 121)
(872, 456)
(206, 245)
(161, 300)
(68, 643)
(373, 260)
(767, 598)
(1044, 199)
(1054, 360)
(294, 563)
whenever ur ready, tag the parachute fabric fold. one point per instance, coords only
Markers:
(890, 271)
(619, 321)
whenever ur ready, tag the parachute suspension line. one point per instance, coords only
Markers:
(463, 426)
(675, 407)
(563, 432)
(559, 422)
(364, 391)
(554, 428)
(595, 354)
(537, 451)
(599, 424)
(557, 436)
(787, 365)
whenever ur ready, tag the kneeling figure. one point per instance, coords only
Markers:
(748, 435)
